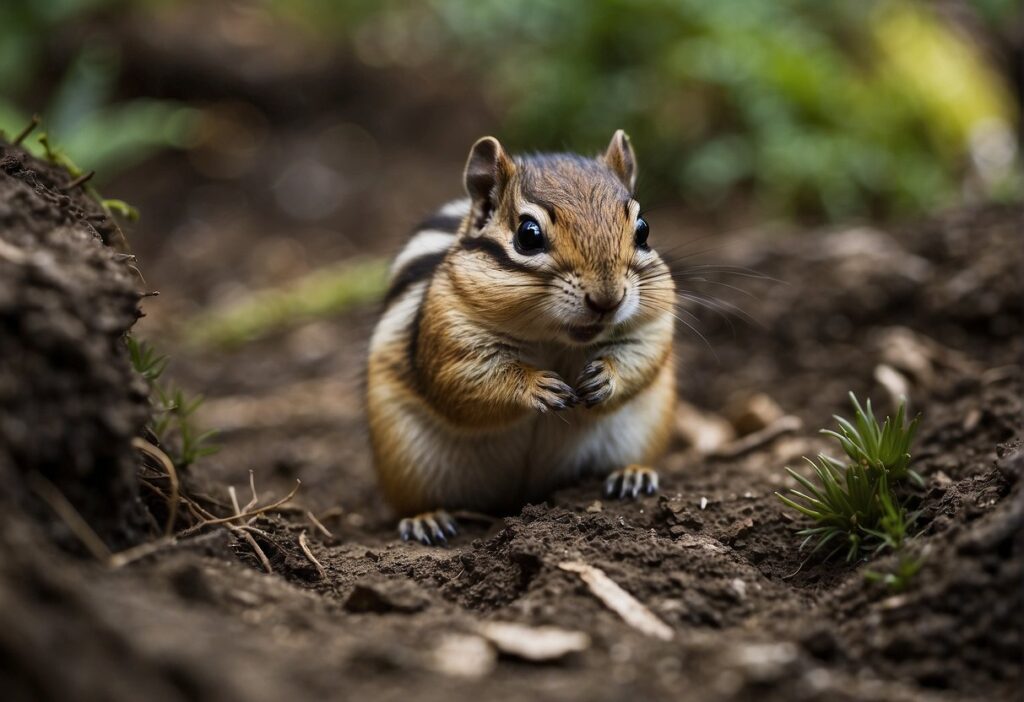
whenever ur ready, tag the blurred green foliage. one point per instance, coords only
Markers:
(82, 115)
(829, 109)
(324, 292)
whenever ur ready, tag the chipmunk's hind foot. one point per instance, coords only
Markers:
(429, 528)
(631, 481)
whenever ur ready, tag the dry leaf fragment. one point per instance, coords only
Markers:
(534, 643)
(632, 611)
(463, 656)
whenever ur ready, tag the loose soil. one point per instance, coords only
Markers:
(935, 306)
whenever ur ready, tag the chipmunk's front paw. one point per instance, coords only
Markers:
(596, 383)
(631, 481)
(429, 528)
(549, 392)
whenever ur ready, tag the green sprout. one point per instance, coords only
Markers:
(853, 504)
(173, 422)
(145, 360)
(897, 581)
(176, 412)
(844, 504)
(884, 448)
(59, 157)
(121, 208)
(894, 522)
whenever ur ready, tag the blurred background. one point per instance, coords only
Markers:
(293, 143)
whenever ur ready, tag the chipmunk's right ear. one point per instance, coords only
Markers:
(488, 170)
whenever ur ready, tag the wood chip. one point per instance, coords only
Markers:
(463, 656)
(703, 431)
(754, 413)
(895, 383)
(534, 643)
(632, 611)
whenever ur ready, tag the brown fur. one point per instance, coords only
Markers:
(488, 311)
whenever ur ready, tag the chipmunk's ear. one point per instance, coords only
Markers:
(488, 170)
(620, 158)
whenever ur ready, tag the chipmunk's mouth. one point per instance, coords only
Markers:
(585, 334)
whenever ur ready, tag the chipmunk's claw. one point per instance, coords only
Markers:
(429, 528)
(631, 481)
(596, 383)
(550, 392)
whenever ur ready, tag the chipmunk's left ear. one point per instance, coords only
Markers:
(620, 158)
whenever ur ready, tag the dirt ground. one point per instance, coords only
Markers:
(932, 308)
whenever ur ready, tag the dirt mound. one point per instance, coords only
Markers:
(69, 402)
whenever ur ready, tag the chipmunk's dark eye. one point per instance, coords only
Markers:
(643, 230)
(529, 238)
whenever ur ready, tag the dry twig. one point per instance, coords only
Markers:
(27, 130)
(316, 522)
(255, 546)
(60, 504)
(309, 554)
(80, 180)
(172, 476)
(750, 442)
(244, 515)
(632, 611)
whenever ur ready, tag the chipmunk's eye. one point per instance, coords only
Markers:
(529, 238)
(643, 230)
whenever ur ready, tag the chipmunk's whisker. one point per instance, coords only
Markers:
(719, 306)
(691, 327)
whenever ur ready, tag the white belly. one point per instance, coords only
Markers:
(526, 461)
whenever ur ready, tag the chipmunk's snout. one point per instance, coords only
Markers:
(603, 302)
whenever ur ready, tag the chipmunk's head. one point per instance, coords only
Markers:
(556, 248)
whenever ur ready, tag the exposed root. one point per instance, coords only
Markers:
(234, 499)
(255, 497)
(309, 554)
(56, 500)
(63, 508)
(246, 514)
(316, 522)
(238, 523)
(255, 546)
(80, 180)
(135, 553)
(172, 477)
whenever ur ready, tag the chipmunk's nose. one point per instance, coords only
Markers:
(604, 303)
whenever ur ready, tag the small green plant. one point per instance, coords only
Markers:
(174, 424)
(894, 522)
(884, 448)
(853, 504)
(145, 359)
(899, 580)
(843, 504)
(59, 157)
(176, 411)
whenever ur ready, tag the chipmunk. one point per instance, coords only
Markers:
(526, 342)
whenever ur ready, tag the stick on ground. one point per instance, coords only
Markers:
(309, 554)
(632, 611)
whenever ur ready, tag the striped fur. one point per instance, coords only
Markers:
(475, 360)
